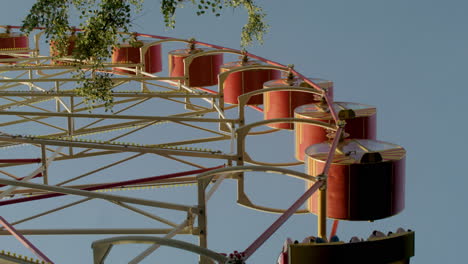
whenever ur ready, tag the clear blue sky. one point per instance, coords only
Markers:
(407, 58)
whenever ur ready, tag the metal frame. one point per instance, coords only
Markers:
(35, 93)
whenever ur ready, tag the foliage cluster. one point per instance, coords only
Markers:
(252, 31)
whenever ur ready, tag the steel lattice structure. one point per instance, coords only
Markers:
(42, 112)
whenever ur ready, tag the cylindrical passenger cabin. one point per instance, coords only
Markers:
(361, 122)
(366, 180)
(203, 71)
(127, 53)
(281, 104)
(54, 52)
(10, 42)
(242, 82)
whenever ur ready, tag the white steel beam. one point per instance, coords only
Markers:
(96, 231)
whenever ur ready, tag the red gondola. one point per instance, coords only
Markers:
(281, 104)
(203, 71)
(238, 83)
(127, 53)
(70, 48)
(366, 180)
(12, 42)
(363, 123)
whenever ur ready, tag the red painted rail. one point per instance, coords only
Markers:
(281, 220)
(109, 185)
(20, 160)
(23, 240)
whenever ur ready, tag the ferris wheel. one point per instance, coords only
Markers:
(197, 119)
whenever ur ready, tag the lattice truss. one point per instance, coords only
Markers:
(44, 121)
(55, 145)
